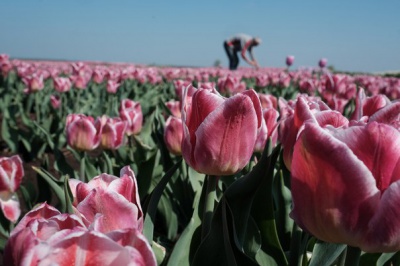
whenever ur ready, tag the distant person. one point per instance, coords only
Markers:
(241, 43)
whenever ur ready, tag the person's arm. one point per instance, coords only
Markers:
(253, 61)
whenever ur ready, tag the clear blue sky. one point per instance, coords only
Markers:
(353, 35)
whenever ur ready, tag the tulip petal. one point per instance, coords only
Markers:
(135, 239)
(11, 208)
(11, 173)
(43, 211)
(320, 189)
(383, 234)
(388, 115)
(19, 248)
(87, 248)
(226, 138)
(378, 147)
(115, 212)
(332, 118)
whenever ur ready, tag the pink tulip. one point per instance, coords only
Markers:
(55, 101)
(292, 122)
(289, 60)
(4, 57)
(112, 86)
(62, 84)
(80, 82)
(109, 203)
(98, 75)
(45, 237)
(367, 106)
(173, 135)
(231, 85)
(268, 101)
(388, 115)
(220, 133)
(5, 67)
(345, 185)
(113, 133)
(337, 90)
(268, 129)
(174, 107)
(180, 86)
(323, 62)
(34, 83)
(11, 173)
(131, 113)
(83, 133)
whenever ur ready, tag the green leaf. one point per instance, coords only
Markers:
(48, 137)
(9, 135)
(155, 196)
(326, 253)
(385, 257)
(169, 217)
(181, 253)
(159, 252)
(219, 243)
(56, 185)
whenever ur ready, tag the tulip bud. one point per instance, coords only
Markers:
(173, 135)
(83, 133)
(113, 133)
(322, 62)
(131, 113)
(289, 60)
(55, 101)
(220, 133)
(11, 173)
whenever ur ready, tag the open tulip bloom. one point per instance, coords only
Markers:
(345, 185)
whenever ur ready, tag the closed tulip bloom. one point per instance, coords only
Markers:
(268, 129)
(5, 67)
(80, 82)
(113, 133)
(55, 101)
(289, 60)
(173, 135)
(83, 133)
(131, 112)
(346, 185)
(112, 86)
(220, 133)
(62, 84)
(174, 107)
(98, 75)
(34, 83)
(322, 62)
(11, 174)
(268, 101)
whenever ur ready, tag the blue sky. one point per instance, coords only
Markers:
(353, 35)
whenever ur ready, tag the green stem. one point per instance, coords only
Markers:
(352, 256)
(83, 167)
(77, 103)
(295, 246)
(208, 210)
(131, 140)
(37, 107)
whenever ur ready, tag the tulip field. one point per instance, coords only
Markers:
(123, 164)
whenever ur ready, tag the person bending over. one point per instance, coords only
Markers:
(241, 43)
